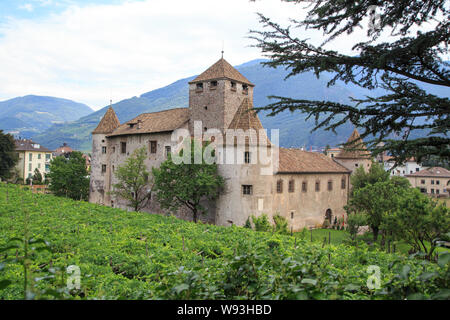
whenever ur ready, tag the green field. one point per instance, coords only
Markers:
(129, 255)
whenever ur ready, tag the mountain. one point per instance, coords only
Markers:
(294, 129)
(29, 115)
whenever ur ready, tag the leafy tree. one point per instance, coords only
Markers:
(419, 221)
(400, 65)
(68, 177)
(361, 178)
(354, 222)
(188, 183)
(8, 158)
(375, 201)
(133, 178)
(37, 177)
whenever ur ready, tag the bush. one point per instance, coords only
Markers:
(247, 224)
(261, 223)
(281, 225)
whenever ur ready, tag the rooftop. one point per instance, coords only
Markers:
(438, 172)
(299, 161)
(222, 70)
(162, 121)
(29, 145)
(356, 149)
(108, 123)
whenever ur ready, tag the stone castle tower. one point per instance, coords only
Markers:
(216, 94)
(100, 172)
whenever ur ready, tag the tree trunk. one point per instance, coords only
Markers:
(194, 211)
(375, 233)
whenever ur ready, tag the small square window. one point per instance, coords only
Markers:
(199, 86)
(247, 189)
(422, 181)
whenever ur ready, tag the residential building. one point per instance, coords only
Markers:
(434, 181)
(32, 156)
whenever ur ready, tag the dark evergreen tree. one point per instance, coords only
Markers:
(399, 66)
(8, 158)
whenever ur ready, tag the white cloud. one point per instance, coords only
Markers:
(91, 53)
(27, 6)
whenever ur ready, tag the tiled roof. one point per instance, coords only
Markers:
(246, 118)
(299, 161)
(108, 123)
(222, 70)
(29, 145)
(356, 149)
(162, 121)
(431, 172)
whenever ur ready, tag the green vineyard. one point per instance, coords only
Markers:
(129, 255)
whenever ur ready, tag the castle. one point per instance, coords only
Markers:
(304, 187)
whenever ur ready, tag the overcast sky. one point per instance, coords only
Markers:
(93, 51)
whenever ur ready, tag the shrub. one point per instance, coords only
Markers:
(281, 225)
(261, 223)
(354, 222)
(248, 224)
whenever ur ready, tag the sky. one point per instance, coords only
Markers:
(94, 51)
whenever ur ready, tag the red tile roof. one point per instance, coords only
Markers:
(438, 172)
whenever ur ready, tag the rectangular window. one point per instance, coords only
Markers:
(233, 86)
(123, 147)
(39, 156)
(114, 149)
(199, 87)
(247, 157)
(432, 181)
(291, 186)
(213, 84)
(330, 185)
(417, 169)
(437, 182)
(39, 165)
(304, 186)
(317, 185)
(30, 167)
(437, 191)
(343, 183)
(30, 156)
(103, 168)
(422, 181)
(168, 150)
(292, 215)
(423, 190)
(47, 156)
(247, 189)
(47, 167)
(280, 186)
(103, 150)
(245, 89)
(153, 146)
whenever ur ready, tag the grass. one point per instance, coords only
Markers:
(337, 237)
